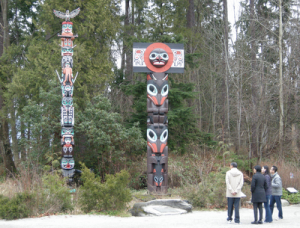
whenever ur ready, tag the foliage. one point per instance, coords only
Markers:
(56, 194)
(211, 192)
(109, 141)
(111, 195)
(31, 194)
(293, 198)
(17, 207)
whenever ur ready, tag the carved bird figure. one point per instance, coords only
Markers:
(67, 15)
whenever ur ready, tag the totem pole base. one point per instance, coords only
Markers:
(154, 190)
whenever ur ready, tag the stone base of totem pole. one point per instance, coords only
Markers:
(161, 207)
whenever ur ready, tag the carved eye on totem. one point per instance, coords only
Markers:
(165, 90)
(161, 179)
(151, 135)
(158, 57)
(156, 179)
(164, 136)
(152, 90)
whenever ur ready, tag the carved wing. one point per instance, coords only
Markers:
(59, 14)
(74, 13)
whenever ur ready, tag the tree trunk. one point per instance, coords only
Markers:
(14, 133)
(190, 19)
(5, 150)
(127, 49)
(1, 31)
(253, 83)
(281, 114)
(226, 116)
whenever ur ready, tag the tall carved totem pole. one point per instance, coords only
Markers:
(67, 85)
(157, 60)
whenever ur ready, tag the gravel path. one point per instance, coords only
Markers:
(195, 219)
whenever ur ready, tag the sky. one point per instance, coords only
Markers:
(234, 8)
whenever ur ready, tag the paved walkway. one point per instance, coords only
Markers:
(209, 219)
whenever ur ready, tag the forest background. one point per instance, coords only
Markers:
(237, 100)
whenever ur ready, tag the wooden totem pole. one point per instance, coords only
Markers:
(67, 85)
(157, 60)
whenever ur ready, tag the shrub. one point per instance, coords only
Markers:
(47, 194)
(211, 192)
(111, 195)
(55, 196)
(293, 198)
(17, 207)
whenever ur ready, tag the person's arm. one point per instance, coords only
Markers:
(265, 185)
(253, 184)
(228, 184)
(277, 182)
(268, 180)
(241, 183)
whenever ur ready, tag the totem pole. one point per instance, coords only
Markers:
(67, 86)
(157, 60)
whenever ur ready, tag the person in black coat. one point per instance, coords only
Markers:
(258, 189)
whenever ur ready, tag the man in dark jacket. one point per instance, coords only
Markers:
(276, 191)
(258, 189)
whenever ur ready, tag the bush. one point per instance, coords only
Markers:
(56, 195)
(111, 195)
(293, 198)
(17, 207)
(49, 194)
(211, 192)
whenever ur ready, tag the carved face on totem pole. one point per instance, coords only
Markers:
(67, 131)
(66, 51)
(67, 101)
(67, 163)
(157, 89)
(159, 57)
(67, 42)
(67, 90)
(67, 28)
(67, 150)
(158, 174)
(157, 138)
(66, 59)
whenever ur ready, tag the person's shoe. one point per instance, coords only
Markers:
(254, 222)
(229, 221)
(259, 222)
(237, 223)
(279, 218)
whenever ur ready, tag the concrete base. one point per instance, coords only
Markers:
(161, 207)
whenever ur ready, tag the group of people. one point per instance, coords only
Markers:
(266, 187)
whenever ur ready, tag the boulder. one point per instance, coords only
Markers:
(161, 207)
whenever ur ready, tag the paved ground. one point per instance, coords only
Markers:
(210, 219)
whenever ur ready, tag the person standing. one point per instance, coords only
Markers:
(265, 171)
(258, 188)
(276, 184)
(234, 184)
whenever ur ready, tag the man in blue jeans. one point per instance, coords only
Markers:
(276, 191)
(234, 184)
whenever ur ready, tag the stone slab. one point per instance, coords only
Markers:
(163, 210)
(161, 207)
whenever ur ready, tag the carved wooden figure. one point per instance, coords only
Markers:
(67, 85)
(157, 60)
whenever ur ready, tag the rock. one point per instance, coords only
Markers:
(161, 207)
